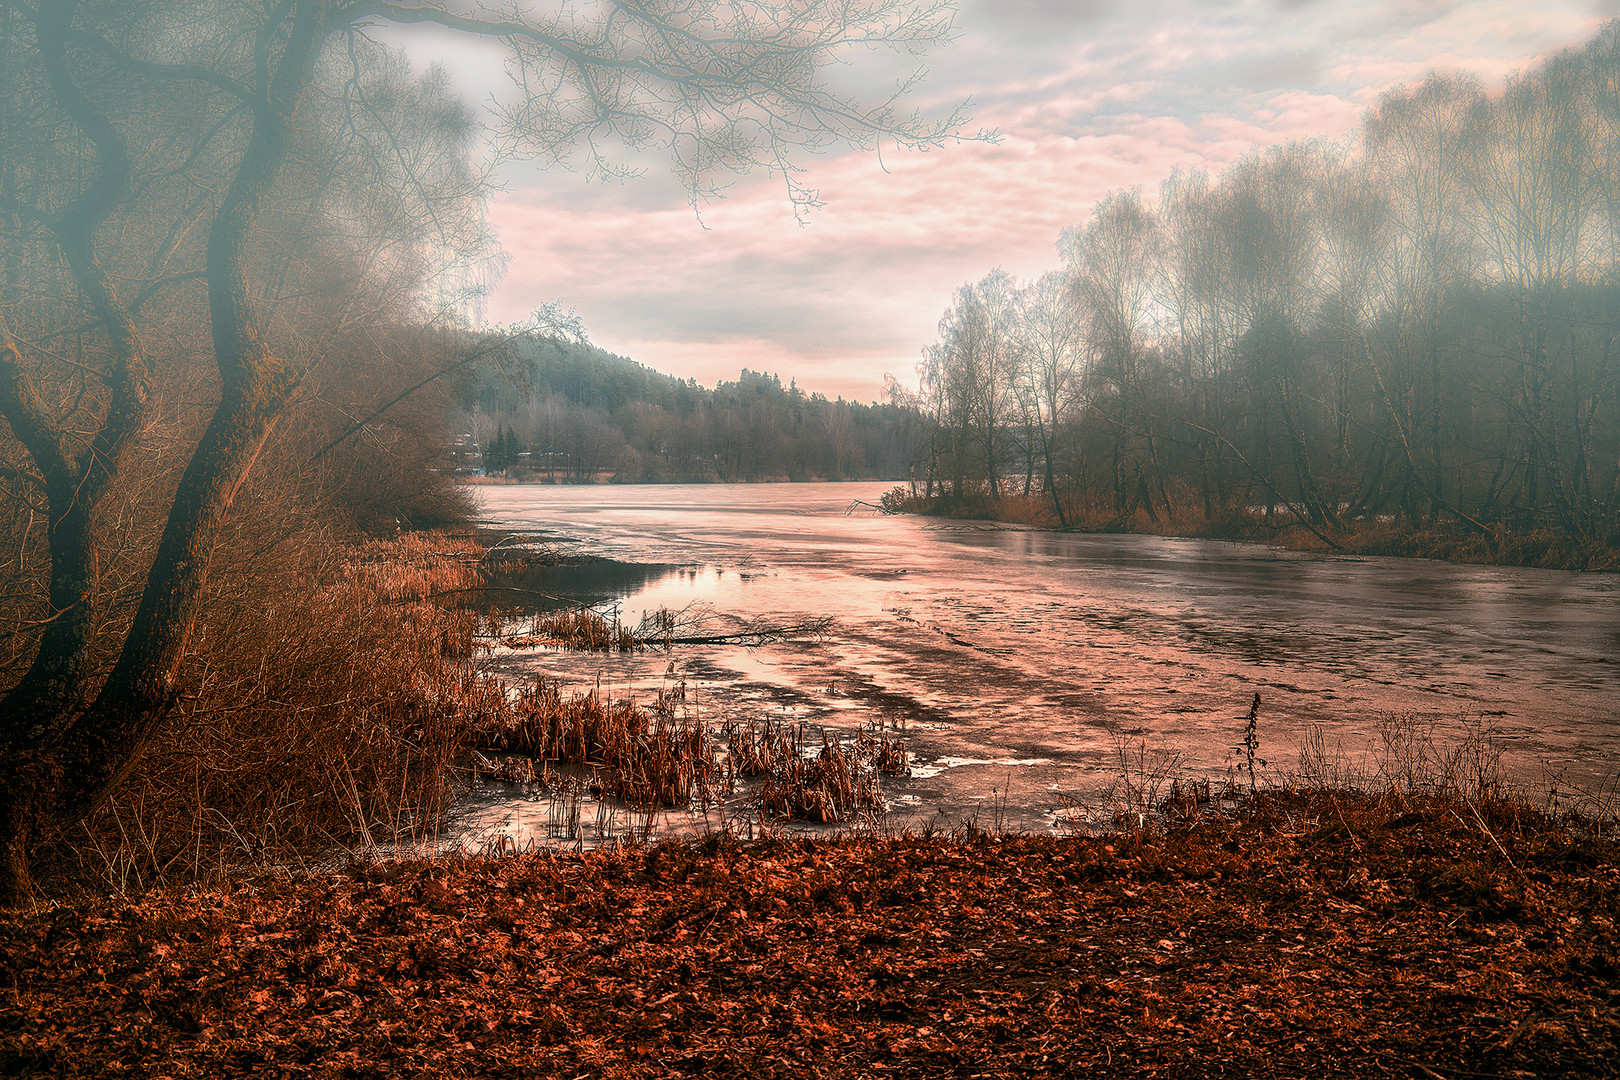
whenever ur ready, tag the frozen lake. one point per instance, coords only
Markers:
(1020, 661)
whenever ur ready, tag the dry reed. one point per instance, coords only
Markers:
(580, 628)
(326, 706)
(797, 783)
(646, 756)
(888, 753)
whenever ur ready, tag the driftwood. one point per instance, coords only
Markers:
(750, 635)
(753, 635)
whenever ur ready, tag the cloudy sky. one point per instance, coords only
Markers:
(1088, 95)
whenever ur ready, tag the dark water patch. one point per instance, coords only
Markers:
(892, 706)
(531, 588)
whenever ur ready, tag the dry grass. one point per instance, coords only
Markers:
(652, 756)
(1410, 769)
(326, 709)
(1552, 549)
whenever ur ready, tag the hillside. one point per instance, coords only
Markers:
(575, 413)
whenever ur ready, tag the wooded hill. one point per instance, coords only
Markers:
(570, 412)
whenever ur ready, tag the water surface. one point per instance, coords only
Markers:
(1022, 661)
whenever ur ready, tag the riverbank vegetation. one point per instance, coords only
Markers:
(328, 704)
(219, 220)
(1403, 343)
(1550, 547)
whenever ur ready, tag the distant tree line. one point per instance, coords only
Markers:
(1419, 325)
(568, 412)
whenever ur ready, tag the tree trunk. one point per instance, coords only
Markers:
(80, 758)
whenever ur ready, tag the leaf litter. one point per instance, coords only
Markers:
(1312, 934)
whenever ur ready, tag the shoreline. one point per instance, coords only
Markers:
(608, 480)
(1542, 549)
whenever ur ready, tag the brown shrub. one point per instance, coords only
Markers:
(326, 705)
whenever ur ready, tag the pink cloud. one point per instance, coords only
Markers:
(1118, 103)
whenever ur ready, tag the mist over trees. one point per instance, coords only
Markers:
(568, 412)
(1419, 325)
(235, 242)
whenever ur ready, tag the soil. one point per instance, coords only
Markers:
(1314, 934)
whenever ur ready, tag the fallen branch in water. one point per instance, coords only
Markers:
(753, 634)
(582, 628)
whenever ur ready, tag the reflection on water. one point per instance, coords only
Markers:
(1020, 660)
(529, 588)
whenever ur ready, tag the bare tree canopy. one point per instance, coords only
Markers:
(1416, 329)
(264, 186)
(720, 88)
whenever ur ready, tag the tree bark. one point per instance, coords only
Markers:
(74, 760)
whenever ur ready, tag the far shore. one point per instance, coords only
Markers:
(605, 478)
(1542, 548)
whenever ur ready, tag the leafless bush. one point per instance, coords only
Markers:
(1411, 761)
(327, 702)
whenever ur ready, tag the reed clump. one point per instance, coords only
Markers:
(797, 782)
(647, 756)
(754, 747)
(888, 752)
(579, 628)
(655, 755)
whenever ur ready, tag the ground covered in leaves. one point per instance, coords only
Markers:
(1314, 936)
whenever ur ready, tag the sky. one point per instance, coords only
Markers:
(1088, 96)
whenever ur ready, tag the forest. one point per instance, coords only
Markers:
(565, 411)
(1417, 327)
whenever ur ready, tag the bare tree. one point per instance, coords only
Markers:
(1190, 285)
(1537, 198)
(1111, 263)
(164, 136)
(1049, 373)
(1423, 321)
(966, 377)
(1420, 141)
